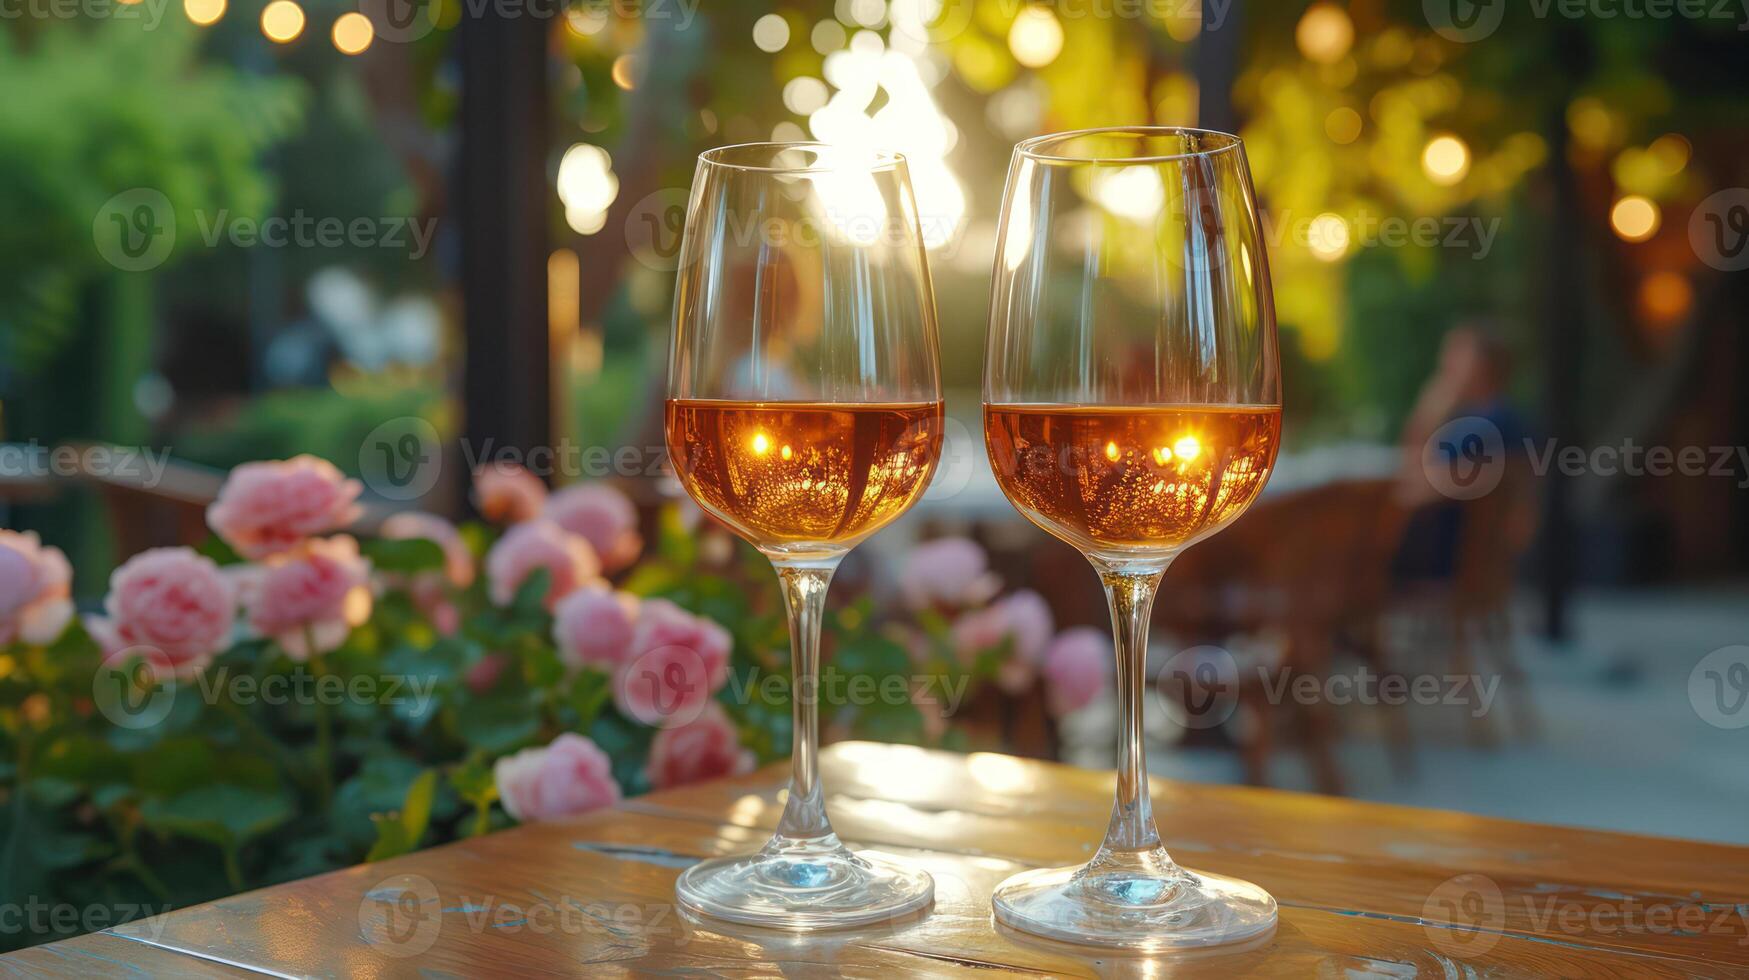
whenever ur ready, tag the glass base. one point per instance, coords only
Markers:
(805, 885)
(1134, 908)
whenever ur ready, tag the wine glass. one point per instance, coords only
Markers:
(1132, 406)
(804, 412)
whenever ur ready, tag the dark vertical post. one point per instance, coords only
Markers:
(1217, 67)
(501, 196)
(1563, 342)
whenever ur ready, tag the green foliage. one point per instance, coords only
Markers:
(399, 832)
(325, 422)
(99, 108)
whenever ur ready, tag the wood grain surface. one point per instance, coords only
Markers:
(1365, 890)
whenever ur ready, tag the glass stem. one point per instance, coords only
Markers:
(804, 594)
(1130, 593)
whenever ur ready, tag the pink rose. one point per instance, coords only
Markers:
(947, 572)
(976, 631)
(1023, 620)
(171, 607)
(534, 544)
(705, 748)
(604, 517)
(568, 777)
(593, 627)
(1030, 623)
(1076, 667)
(484, 674)
(458, 562)
(678, 661)
(35, 589)
(505, 493)
(310, 600)
(270, 507)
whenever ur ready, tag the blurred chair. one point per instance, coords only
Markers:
(1466, 617)
(145, 513)
(1309, 570)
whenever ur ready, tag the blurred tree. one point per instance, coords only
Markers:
(117, 143)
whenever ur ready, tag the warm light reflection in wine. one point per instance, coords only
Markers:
(804, 472)
(1149, 478)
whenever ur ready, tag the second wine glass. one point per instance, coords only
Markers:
(1132, 407)
(805, 413)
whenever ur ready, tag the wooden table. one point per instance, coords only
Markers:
(1365, 890)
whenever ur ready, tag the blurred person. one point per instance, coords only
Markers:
(1463, 404)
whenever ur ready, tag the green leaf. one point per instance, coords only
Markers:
(228, 816)
(214, 547)
(65, 849)
(532, 593)
(51, 792)
(416, 808)
(82, 759)
(589, 694)
(176, 766)
(399, 832)
(381, 784)
(405, 555)
(651, 579)
(499, 724)
(673, 541)
(872, 654)
(473, 781)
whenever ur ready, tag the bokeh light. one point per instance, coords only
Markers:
(1594, 125)
(1135, 193)
(1342, 125)
(907, 120)
(1328, 237)
(204, 12)
(867, 13)
(282, 21)
(1445, 160)
(353, 33)
(1670, 152)
(1325, 33)
(624, 72)
(827, 36)
(1036, 37)
(1665, 297)
(1635, 218)
(586, 20)
(587, 186)
(805, 95)
(771, 33)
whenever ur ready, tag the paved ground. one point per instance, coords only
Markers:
(1620, 744)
